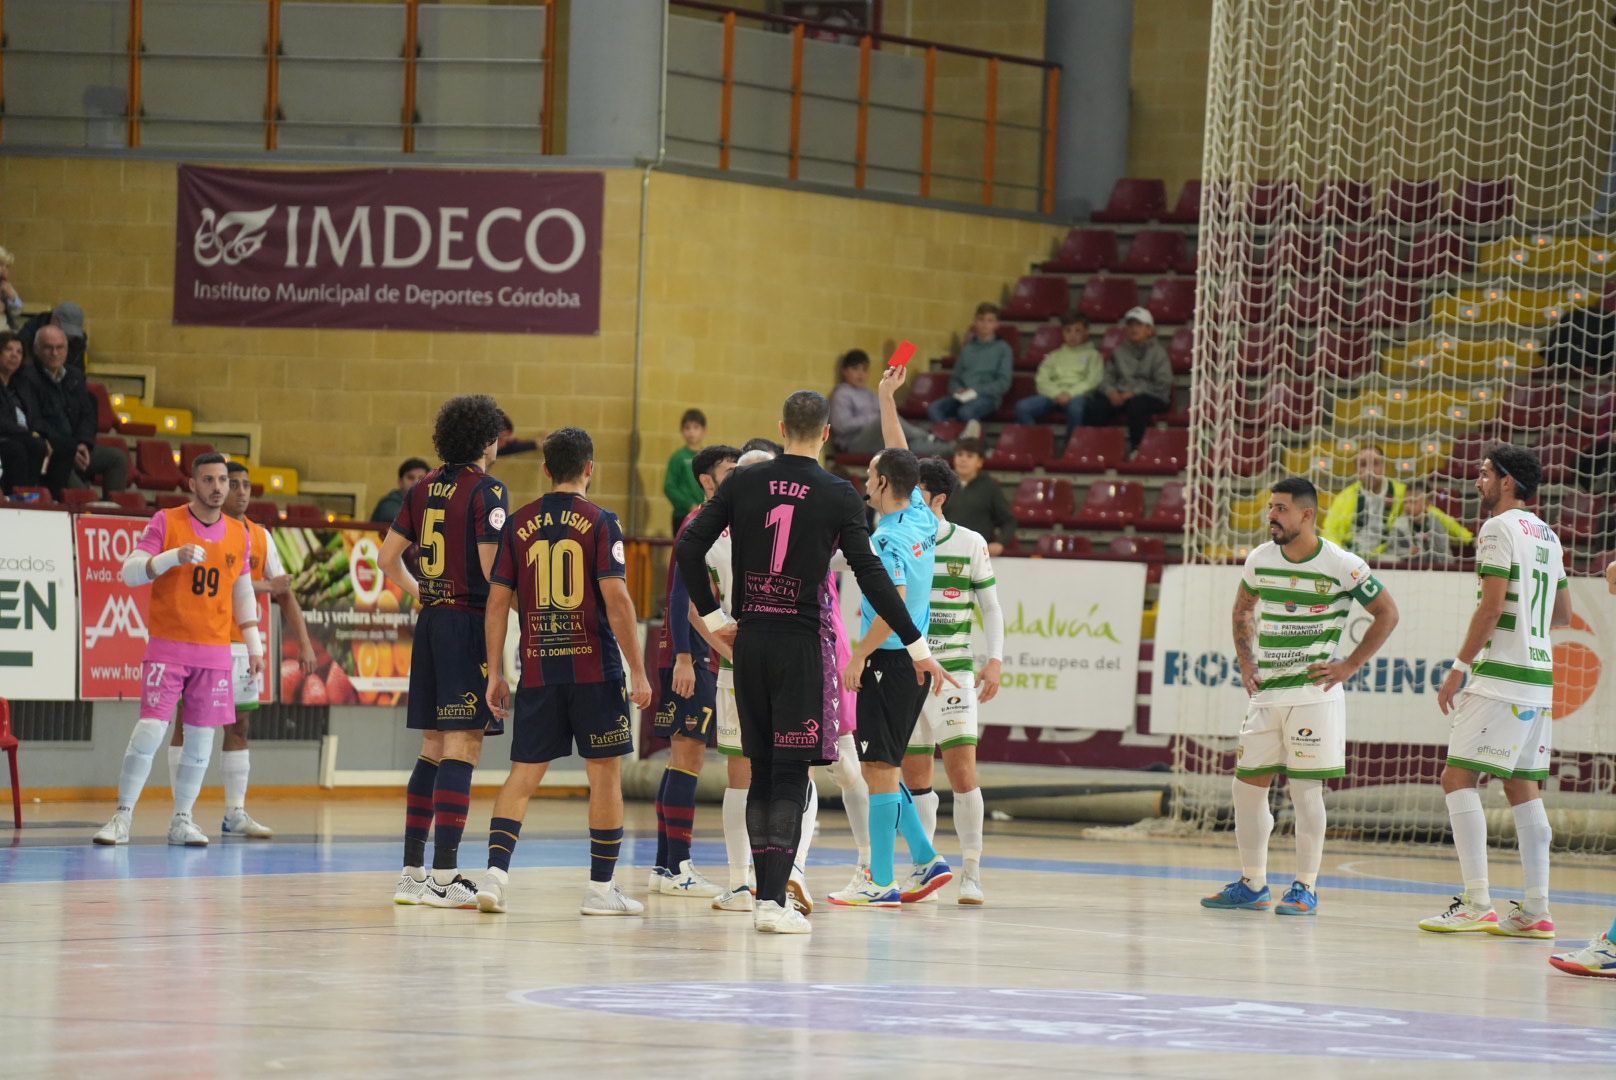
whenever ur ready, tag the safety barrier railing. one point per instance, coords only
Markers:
(379, 77)
(882, 97)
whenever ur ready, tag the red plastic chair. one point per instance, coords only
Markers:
(1578, 521)
(9, 743)
(1187, 211)
(1172, 300)
(1023, 384)
(1063, 546)
(1344, 354)
(1358, 255)
(1022, 447)
(169, 500)
(1346, 201)
(1041, 500)
(1091, 450)
(1036, 299)
(1271, 200)
(1435, 255)
(1111, 339)
(1150, 550)
(1181, 350)
(1388, 303)
(76, 499)
(947, 430)
(1294, 251)
(1258, 299)
(105, 418)
(1044, 341)
(1596, 415)
(1162, 452)
(1413, 202)
(32, 498)
(132, 502)
(1464, 460)
(1134, 200)
(1168, 513)
(190, 451)
(1532, 409)
(1010, 335)
(154, 460)
(927, 387)
(1084, 251)
(1107, 299)
(1110, 504)
(1245, 451)
(263, 511)
(1154, 253)
(1481, 202)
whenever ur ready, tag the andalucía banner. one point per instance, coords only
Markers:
(390, 249)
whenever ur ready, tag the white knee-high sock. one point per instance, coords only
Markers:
(1470, 842)
(193, 766)
(926, 806)
(234, 769)
(174, 753)
(969, 811)
(855, 795)
(1307, 799)
(1533, 835)
(1253, 824)
(137, 761)
(810, 821)
(737, 844)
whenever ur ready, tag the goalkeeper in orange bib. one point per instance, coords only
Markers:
(197, 560)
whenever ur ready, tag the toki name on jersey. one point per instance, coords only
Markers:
(569, 519)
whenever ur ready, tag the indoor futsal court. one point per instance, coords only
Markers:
(1092, 958)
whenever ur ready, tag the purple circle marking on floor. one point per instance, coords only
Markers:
(1095, 1018)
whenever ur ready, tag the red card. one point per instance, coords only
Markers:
(902, 354)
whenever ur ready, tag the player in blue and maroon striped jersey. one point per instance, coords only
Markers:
(448, 531)
(561, 560)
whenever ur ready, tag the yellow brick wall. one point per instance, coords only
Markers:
(1167, 113)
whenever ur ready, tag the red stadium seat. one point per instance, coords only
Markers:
(1168, 513)
(1044, 341)
(154, 459)
(105, 418)
(1245, 451)
(1596, 415)
(947, 430)
(169, 500)
(1305, 300)
(1413, 202)
(1162, 452)
(1287, 405)
(1011, 336)
(927, 387)
(1084, 251)
(1269, 201)
(1022, 447)
(1464, 461)
(1134, 200)
(1263, 353)
(305, 514)
(1091, 450)
(1436, 255)
(1189, 261)
(1294, 251)
(1358, 255)
(31, 497)
(1344, 354)
(190, 451)
(1258, 300)
(1151, 550)
(1178, 412)
(1022, 385)
(1560, 457)
(1041, 500)
(1154, 253)
(1172, 300)
(1110, 504)
(1532, 409)
(264, 512)
(79, 498)
(1107, 299)
(1347, 202)
(1187, 211)
(1111, 339)
(1063, 546)
(1388, 303)
(1482, 202)
(1578, 521)
(1036, 299)
(132, 502)
(1181, 350)
(852, 461)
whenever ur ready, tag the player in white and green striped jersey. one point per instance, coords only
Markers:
(962, 582)
(1502, 724)
(1294, 597)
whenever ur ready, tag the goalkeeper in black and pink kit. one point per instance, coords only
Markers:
(785, 518)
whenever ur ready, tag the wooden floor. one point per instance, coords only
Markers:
(1091, 958)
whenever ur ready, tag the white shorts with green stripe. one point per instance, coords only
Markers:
(729, 718)
(949, 718)
(1501, 738)
(1307, 742)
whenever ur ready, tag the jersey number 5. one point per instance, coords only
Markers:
(558, 573)
(436, 546)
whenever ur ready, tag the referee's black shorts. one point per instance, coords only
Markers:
(889, 704)
(780, 696)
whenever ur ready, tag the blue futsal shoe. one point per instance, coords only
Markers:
(1298, 900)
(1237, 894)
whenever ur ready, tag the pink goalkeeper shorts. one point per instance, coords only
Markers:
(208, 693)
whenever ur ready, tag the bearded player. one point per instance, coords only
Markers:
(196, 558)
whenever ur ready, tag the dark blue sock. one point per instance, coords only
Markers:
(662, 820)
(451, 798)
(603, 847)
(418, 810)
(679, 814)
(502, 834)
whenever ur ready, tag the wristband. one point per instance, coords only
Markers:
(1461, 667)
(253, 640)
(715, 620)
(918, 649)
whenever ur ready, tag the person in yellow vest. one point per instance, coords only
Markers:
(1423, 531)
(1361, 515)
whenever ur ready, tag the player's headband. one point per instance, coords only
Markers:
(1503, 472)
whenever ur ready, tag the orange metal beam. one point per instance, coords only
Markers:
(927, 107)
(861, 154)
(796, 99)
(412, 38)
(727, 95)
(990, 139)
(1051, 132)
(547, 118)
(135, 19)
(272, 93)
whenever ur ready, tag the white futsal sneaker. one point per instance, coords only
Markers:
(410, 889)
(970, 888)
(238, 822)
(491, 894)
(736, 899)
(861, 878)
(1522, 923)
(770, 918)
(1461, 917)
(182, 832)
(115, 831)
(655, 878)
(607, 898)
(688, 882)
(458, 893)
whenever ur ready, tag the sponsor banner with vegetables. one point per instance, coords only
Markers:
(361, 624)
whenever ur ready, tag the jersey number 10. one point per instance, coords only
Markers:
(558, 573)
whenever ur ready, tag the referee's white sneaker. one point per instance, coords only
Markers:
(239, 823)
(115, 831)
(769, 917)
(182, 832)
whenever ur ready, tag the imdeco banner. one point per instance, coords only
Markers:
(390, 249)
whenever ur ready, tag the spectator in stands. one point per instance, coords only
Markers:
(855, 415)
(1423, 531)
(980, 505)
(508, 442)
(981, 375)
(679, 482)
(67, 418)
(1066, 377)
(1361, 517)
(9, 300)
(68, 317)
(410, 471)
(1138, 380)
(22, 453)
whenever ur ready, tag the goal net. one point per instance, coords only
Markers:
(1406, 253)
